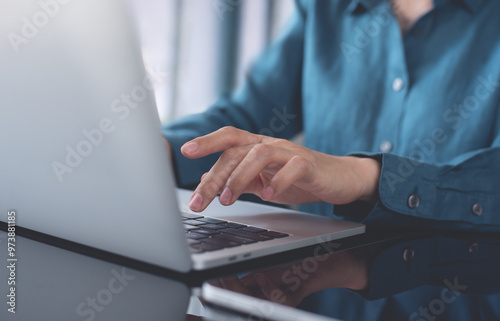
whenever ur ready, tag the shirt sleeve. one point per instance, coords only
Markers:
(463, 194)
(265, 104)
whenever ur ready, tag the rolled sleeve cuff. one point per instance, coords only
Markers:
(413, 193)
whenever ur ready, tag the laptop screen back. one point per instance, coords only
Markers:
(81, 152)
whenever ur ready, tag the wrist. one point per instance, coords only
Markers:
(368, 170)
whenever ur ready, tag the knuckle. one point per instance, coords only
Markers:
(279, 142)
(229, 130)
(230, 153)
(300, 162)
(231, 165)
(260, 150)
(282, 143)
(231, 158)
(210, 186)
(233, 183)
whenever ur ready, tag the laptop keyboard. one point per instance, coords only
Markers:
(210, 234)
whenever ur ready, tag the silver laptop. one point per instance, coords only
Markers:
(55, 284)
(81, 152)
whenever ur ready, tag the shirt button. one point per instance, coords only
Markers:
(408, 254)
(413, 201)
(397, 84)
(385, 146)
(477, 209)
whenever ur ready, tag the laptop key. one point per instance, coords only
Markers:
(196, 236)
(191, 241)
(246, 234)
(220, 242)
(214, 226)
(191, 216)
(190, 227)
(274, 234)
(253, 229)
(211, 220)
(206, 232)
(234, 225)
(205, 247)
(234, 238)
(194, 222)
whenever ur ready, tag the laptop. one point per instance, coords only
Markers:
(82, 157)
(56, 284)
(108, 291)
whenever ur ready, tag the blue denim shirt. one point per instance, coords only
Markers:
(425, 105)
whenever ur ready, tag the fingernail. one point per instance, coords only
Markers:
(225, 196)
(190, 148)
(196, 202)
(267, 193)
(261, 280)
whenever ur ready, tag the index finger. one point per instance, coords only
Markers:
(218, 141)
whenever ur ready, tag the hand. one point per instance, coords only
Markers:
(277, 170)
(290, 284)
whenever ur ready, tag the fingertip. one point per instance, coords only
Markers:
(226, 196)
(196, 202)
(189, 148)
(268, 193)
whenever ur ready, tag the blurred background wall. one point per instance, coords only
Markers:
(203, 46)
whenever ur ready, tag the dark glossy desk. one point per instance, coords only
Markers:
(410, 276)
